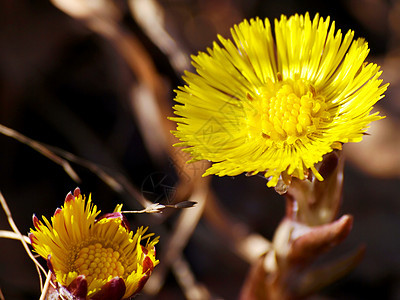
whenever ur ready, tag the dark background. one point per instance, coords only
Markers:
(67, 86)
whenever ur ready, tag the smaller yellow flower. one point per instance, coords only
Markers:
(97, 258)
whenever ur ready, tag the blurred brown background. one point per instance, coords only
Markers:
(68, 86)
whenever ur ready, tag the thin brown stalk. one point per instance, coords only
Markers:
(151, 17)
(46, 286)
(40, 277)
(16, 230)
(183, 229)
(114, 179)
(184, 275)
(41, 149)
(248, 245)
(12, 235)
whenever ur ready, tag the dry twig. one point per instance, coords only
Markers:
(18, 233)
(41, 149)
(181, 234)
(46, 286)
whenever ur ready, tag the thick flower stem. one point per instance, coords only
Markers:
(308, 230)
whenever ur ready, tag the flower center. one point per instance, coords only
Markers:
(288, 110)
(97, 262)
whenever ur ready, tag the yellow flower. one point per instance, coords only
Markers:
(277, 105)
(104, 251)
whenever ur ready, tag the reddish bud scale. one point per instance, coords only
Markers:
(78, 287)
(69, 197)
(49, 264)
(58, 210)
(32, 238)
(36, 221)
(112, 290)
(147, 264)
(77, 192)
(147, 269)
(117, 215)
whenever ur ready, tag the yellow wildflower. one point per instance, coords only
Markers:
(277, 105)
(92, 258)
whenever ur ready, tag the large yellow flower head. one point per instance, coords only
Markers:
(94, 259)
(277, 104)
